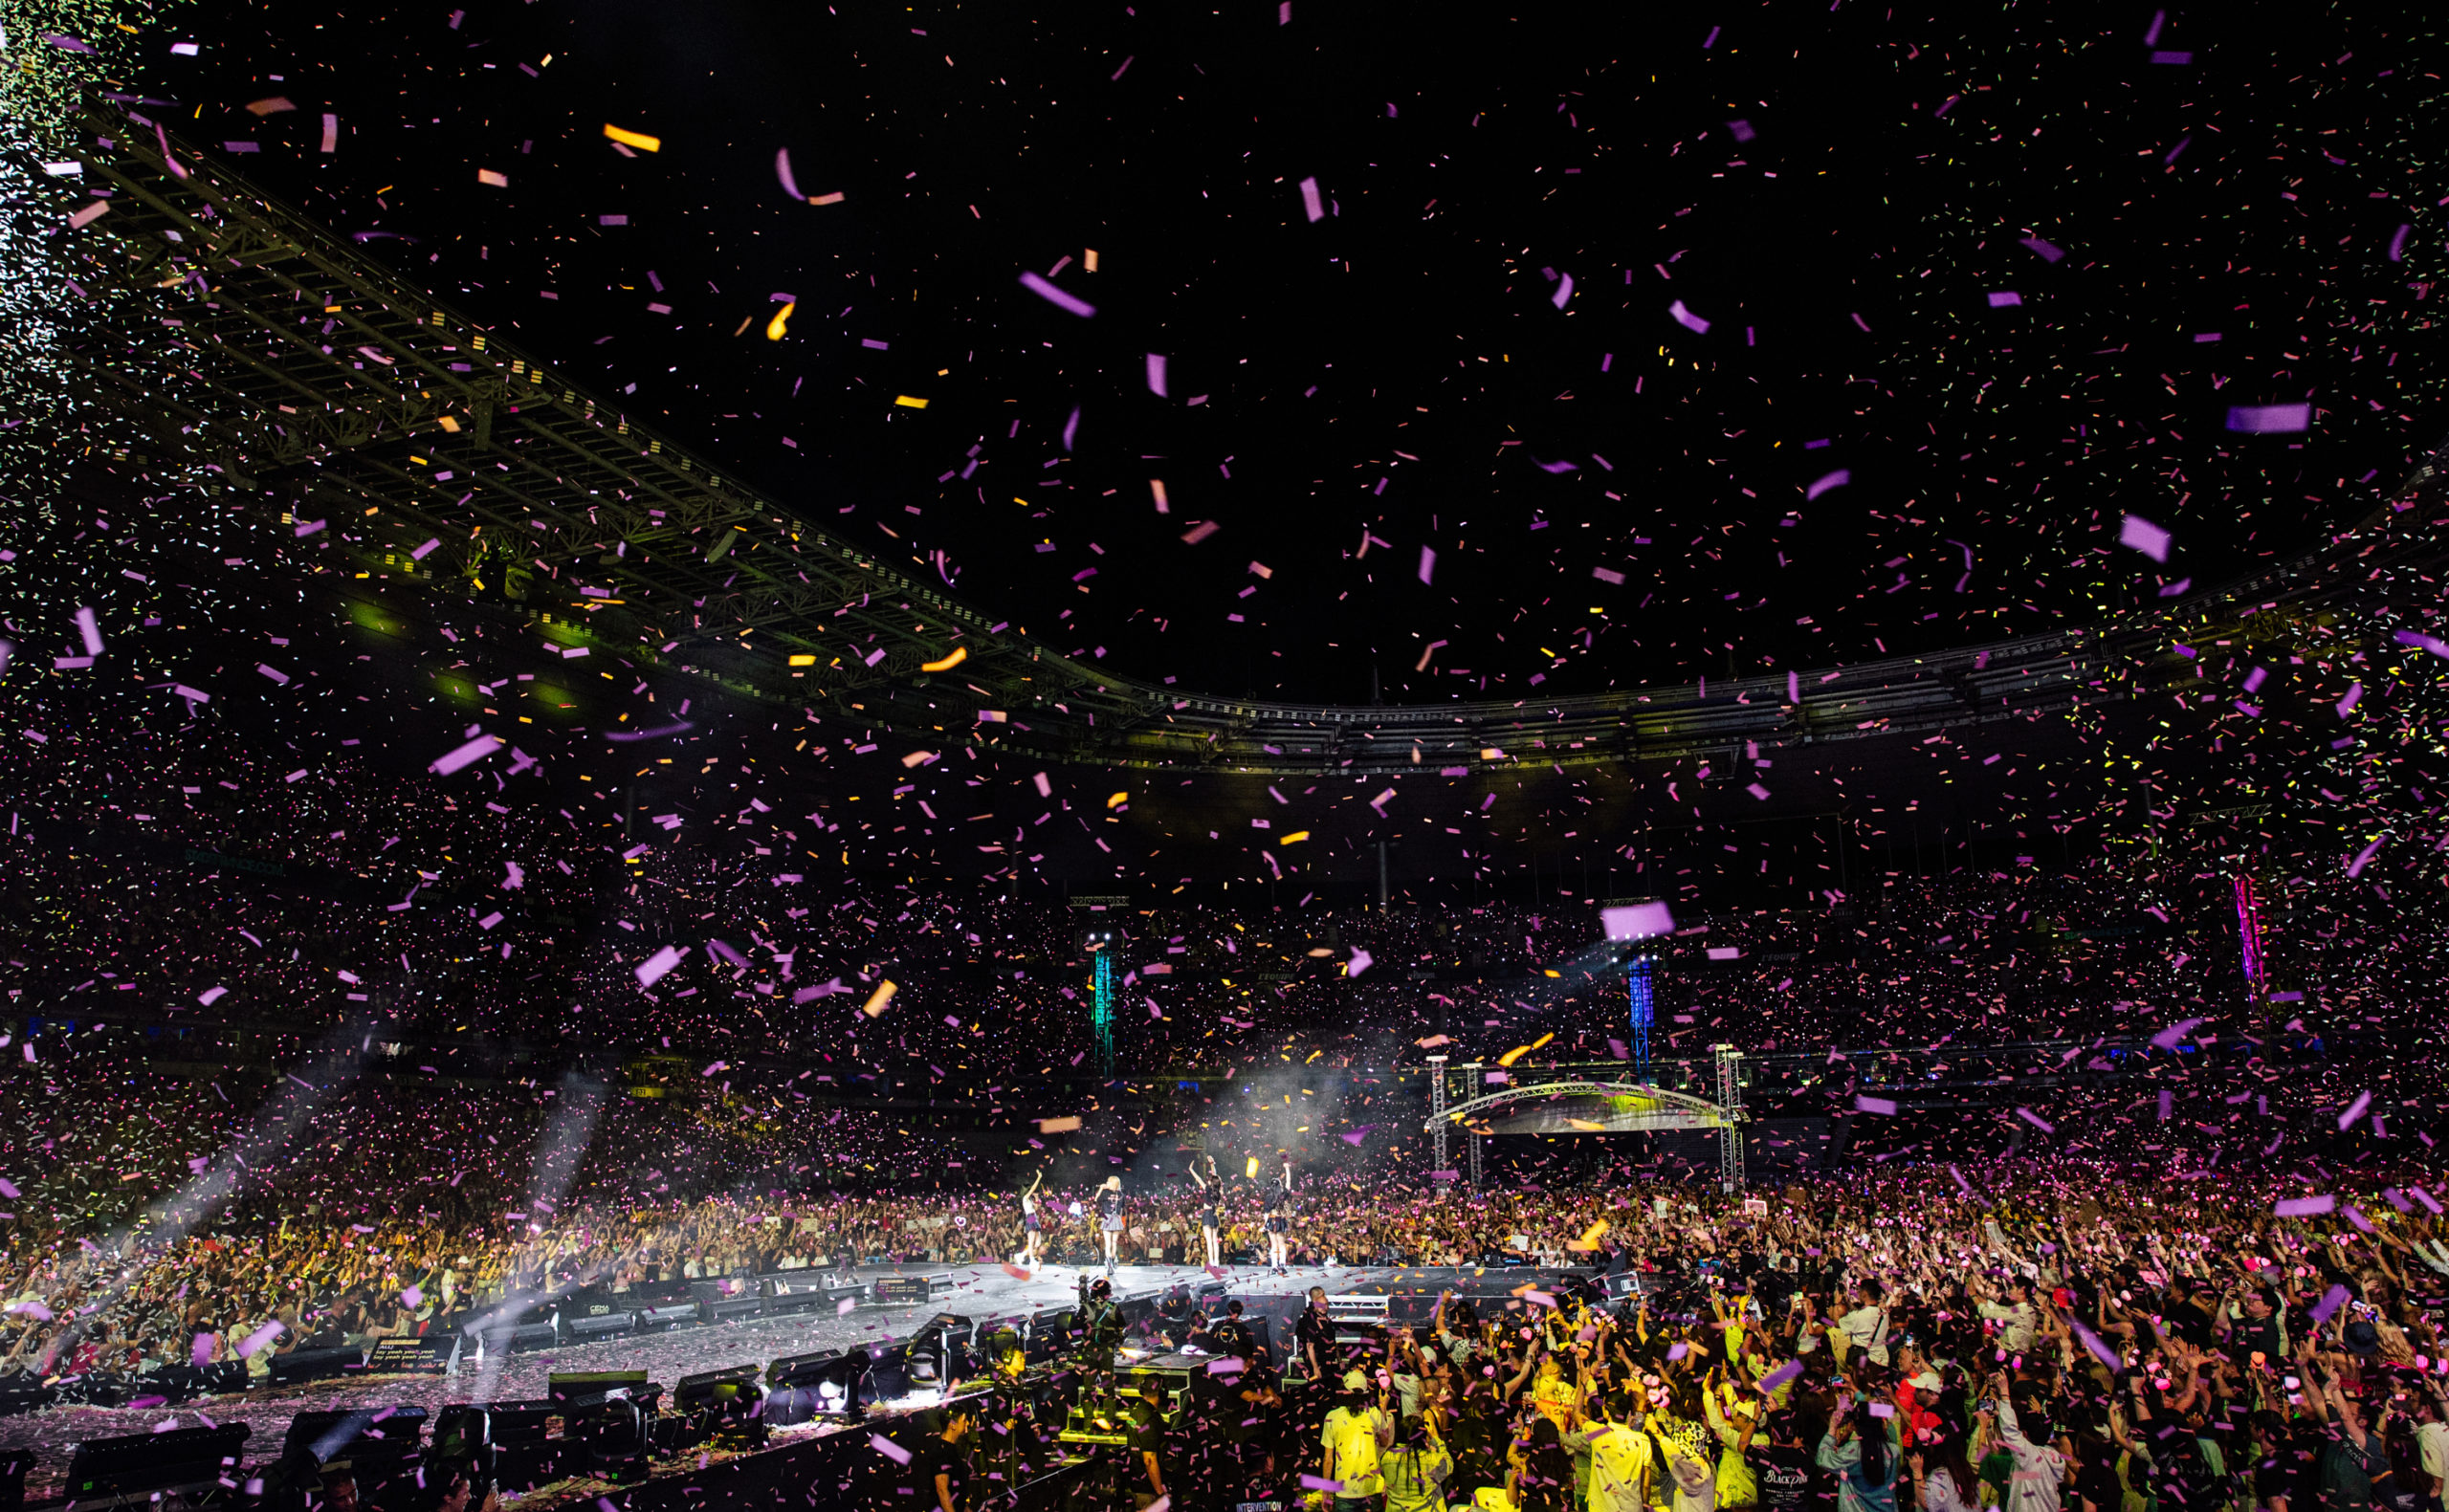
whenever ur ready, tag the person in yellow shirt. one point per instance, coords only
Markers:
(1623, 1462)
(1556, 1396)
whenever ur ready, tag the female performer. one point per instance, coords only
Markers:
(1110, 1216)
(1279, 1223)
(1212, 1201)
(1029, 1227)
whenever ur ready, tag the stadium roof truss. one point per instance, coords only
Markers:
(232, 334)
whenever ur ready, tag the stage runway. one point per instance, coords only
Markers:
(982, 1292)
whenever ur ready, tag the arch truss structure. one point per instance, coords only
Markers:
(1560, 1101)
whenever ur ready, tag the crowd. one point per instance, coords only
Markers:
(136, 887)
(2052, 1340)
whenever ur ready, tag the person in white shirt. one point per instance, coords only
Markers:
(2431, 1438)
(1865, 1326)
(2032, 1487)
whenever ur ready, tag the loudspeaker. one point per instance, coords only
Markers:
(665, 1316)
(520, 1338)
(730, 1309)
(585, 1388)
(598, 1326)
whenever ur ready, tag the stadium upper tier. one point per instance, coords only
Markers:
(233, 336)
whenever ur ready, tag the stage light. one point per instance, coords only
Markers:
(463, 1438)
(825, 1384)
(726, 1405)
(614, 1434)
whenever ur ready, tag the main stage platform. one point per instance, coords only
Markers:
(982, 1294)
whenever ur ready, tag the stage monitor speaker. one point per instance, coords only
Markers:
(182, 1383)
(584, 1387)
(730, 1309)
(515, 1339)
(103, 1468)
(300, 1366)
(663, 1317)
(16, 1399)
(790, 1302)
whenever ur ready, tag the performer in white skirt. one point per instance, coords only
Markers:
(1029, 1225)
(1109, 1216)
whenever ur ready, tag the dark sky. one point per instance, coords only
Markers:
(1842, 194)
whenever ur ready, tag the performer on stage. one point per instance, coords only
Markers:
(1109, 1216)
(1212, 1201)
(1279, 1223)
(1029, 1227)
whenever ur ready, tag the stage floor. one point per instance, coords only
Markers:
(982, 1292)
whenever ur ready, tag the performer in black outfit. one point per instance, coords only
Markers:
(1279, 1224)
(1211, 1217)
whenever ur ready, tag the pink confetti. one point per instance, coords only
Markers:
(2170, 1037)
(1636, 921)
(655, 968)
(2144, 536)
(475, 750)
(2264, 420)
(1055, 297)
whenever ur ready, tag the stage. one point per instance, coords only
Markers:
(985, 1294)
